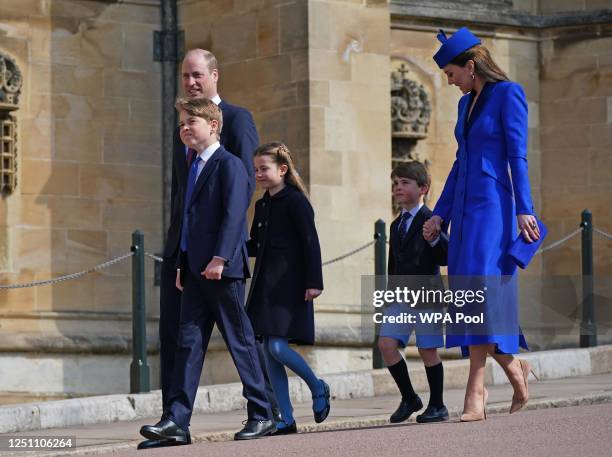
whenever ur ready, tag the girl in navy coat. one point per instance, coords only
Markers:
(286, 279)
(486, 208)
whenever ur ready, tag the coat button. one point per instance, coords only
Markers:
(263, 204)
(259, 225)
(258, 244)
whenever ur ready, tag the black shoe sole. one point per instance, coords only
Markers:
(285, 431)
(159, 444)
(429, 421)
(151, 435)
(254, 437)
(399, 421)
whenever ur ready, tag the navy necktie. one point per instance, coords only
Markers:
(403, 225)
(191, 182)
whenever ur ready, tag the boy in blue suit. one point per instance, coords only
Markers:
(414, 263)
(211, 271)
(200, 76)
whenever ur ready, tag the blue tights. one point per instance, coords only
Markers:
(278, 356)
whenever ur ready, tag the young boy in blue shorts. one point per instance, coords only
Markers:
(414, 262)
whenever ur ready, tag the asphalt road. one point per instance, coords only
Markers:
(584, 431)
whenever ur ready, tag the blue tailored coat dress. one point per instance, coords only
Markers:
(480, 201)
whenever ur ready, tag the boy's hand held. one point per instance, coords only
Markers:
(214, 269)
(178, 280)
(432, 228)
(311, 294)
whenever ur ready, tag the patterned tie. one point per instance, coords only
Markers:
(190, 155)
(191, 182)
(403, 225)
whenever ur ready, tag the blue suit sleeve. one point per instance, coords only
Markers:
(440, 250)
(444, 206)
(246, 141)
(514, 119)
(235, 204)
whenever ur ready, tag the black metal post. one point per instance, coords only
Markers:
(168, 49)
(588, 329)
(139, 370)
(380, 272)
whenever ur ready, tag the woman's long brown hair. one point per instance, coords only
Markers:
(484, 65)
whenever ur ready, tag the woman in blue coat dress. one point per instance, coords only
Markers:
(484, 206)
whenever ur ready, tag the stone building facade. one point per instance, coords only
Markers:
(317, 74)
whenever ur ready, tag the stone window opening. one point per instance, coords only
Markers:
(10, 89)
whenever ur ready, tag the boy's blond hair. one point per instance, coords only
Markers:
(201, 107)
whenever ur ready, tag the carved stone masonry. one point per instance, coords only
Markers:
(410, 107)
(410, 115)
(10, 89)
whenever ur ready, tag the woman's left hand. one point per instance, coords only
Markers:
(311, 294)
(528, 225)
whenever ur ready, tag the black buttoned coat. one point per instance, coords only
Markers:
(288, 261)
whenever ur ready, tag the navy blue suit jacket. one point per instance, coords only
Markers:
(413, 255)
(238, 136)
(413, 262)
(217, 216)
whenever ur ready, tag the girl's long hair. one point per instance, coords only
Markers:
(484, 64)
(281, 156)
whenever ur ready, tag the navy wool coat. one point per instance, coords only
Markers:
(288, 261)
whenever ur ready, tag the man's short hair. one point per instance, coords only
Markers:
(209, 57)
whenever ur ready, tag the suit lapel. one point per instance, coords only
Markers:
(415, 227)
(204, 175)
(223, 106)
(393, 236)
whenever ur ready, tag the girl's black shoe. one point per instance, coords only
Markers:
(320, 416)
(286, 430)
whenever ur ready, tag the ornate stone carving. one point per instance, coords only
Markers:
(410, 107)
(10, 81)
(10, 89)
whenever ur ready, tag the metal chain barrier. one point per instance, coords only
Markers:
(329, 262)
(154, 257)
(70, 276)
(348, 254)
(602, 233)
(561, 241)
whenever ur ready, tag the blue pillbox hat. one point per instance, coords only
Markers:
(521, 252)
(461, 41)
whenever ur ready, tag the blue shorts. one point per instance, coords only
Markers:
(428, 335)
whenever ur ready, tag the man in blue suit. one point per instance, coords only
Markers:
(211, 268)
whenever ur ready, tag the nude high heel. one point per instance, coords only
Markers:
(474, 417)
(519, 403)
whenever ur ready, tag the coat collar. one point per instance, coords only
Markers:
(483, 98)
(287, 190)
